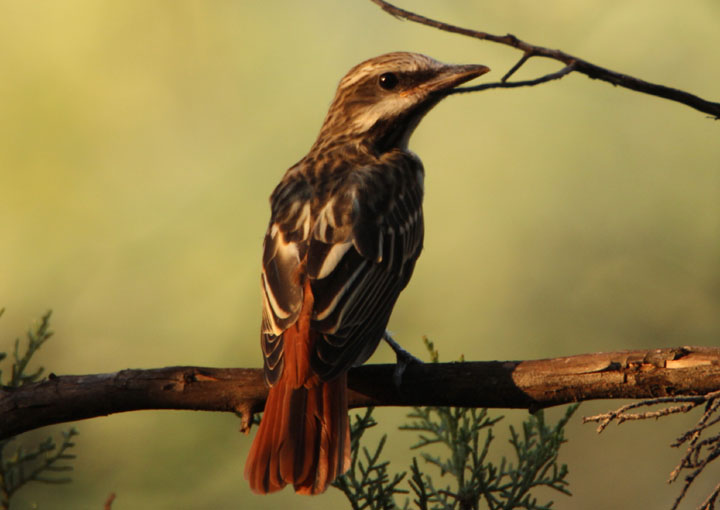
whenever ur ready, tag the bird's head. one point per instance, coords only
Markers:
(379, 102)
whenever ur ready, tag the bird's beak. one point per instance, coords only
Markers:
(453, 75)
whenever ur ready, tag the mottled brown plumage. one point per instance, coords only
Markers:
(345, 231)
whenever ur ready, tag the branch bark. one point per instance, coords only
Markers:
(505, 384)
(572, 64)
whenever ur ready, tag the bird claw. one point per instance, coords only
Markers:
(403, 359)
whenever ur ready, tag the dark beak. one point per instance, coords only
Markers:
(453, 75)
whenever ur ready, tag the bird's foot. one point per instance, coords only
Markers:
(403, 357)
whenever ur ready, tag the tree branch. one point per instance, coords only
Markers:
(572, 63)
(510, 384)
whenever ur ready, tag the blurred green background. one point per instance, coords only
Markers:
(139, 142)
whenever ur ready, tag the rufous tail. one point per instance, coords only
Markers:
(303, 439)
(304, 436)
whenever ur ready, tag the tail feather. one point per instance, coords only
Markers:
(303, 438)
(339, 453)
(307, 435)
(327, 438)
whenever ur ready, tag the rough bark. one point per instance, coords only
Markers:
(530, 384)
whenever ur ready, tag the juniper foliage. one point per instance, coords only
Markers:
(48, 461)
(468, 479)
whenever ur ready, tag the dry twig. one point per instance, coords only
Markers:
(109, 501)
(699, 452)
(572, 64)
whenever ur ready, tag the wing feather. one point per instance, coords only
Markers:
(284, 252)
(357, 291)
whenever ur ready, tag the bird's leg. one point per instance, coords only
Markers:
(404, 358)
(244, 411)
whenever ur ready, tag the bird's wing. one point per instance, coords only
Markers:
(358, 248)
(284, 250)
(361, 254)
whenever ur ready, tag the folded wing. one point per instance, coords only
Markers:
(358, 247)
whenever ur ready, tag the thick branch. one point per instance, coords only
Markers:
(509, 384)
(571, 62)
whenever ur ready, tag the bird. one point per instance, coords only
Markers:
(345, 231)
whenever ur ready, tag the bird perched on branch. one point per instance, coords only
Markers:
(345, 232)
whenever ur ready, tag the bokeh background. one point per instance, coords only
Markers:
(139, 142)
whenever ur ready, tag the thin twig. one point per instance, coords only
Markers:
(109, 501)
(702, 424)
(621, 414)
(581, 66)
(526, 56)
(513, 84)
(709, 502)
(699, 452)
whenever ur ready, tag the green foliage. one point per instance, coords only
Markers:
(467, 435)
(35, 339)
(464, 435)
(46, 462)
(367, 483)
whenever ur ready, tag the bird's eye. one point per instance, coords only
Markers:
(388, 81)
